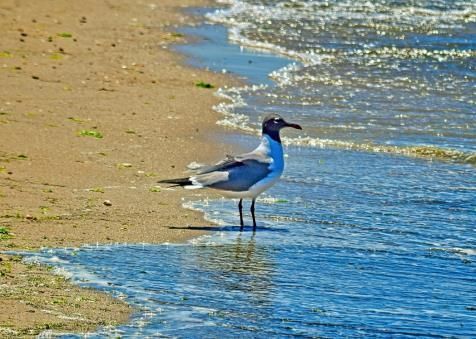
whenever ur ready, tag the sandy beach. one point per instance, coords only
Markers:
(369, 232)
(94, 110)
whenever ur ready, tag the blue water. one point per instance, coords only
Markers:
(353, 242)
(381, 75)
(374, 245)
(215, 53)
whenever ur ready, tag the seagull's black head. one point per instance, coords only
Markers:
(273, 123)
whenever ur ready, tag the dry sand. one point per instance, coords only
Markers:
(94, 109)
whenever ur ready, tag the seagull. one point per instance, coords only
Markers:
(246, 175)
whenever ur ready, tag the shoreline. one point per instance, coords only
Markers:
(97, 110)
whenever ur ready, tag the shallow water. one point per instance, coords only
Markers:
(356, 240)
(378, 76)
(350, 244)
(375, 245)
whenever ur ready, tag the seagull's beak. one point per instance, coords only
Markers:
(296, 126)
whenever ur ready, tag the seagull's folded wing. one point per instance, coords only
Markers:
(237, 173)
(219, 166)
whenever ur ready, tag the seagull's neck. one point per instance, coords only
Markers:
(273, 149)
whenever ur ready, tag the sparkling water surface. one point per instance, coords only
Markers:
(373, 72)
(353, 242)
(375, 245)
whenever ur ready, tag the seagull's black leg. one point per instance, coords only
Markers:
(252, 209)
(240, 207)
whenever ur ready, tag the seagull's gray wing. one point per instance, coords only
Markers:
(219, 166)
(235, 173)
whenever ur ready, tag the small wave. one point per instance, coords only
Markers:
(241, 122)
(234, 99)
(245, 20)
(419, 13)
(465, 252)
(308, 58)
(414, 53)
(237, 29)
(426, 152)
(232, 120)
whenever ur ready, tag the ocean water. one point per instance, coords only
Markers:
(393, 74)
(372, 230)
(375, 246)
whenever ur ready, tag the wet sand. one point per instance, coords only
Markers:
(94, 109)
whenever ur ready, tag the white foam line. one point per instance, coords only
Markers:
(284, 76)
(347, 10)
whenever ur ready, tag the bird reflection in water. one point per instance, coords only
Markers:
(242, 266)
